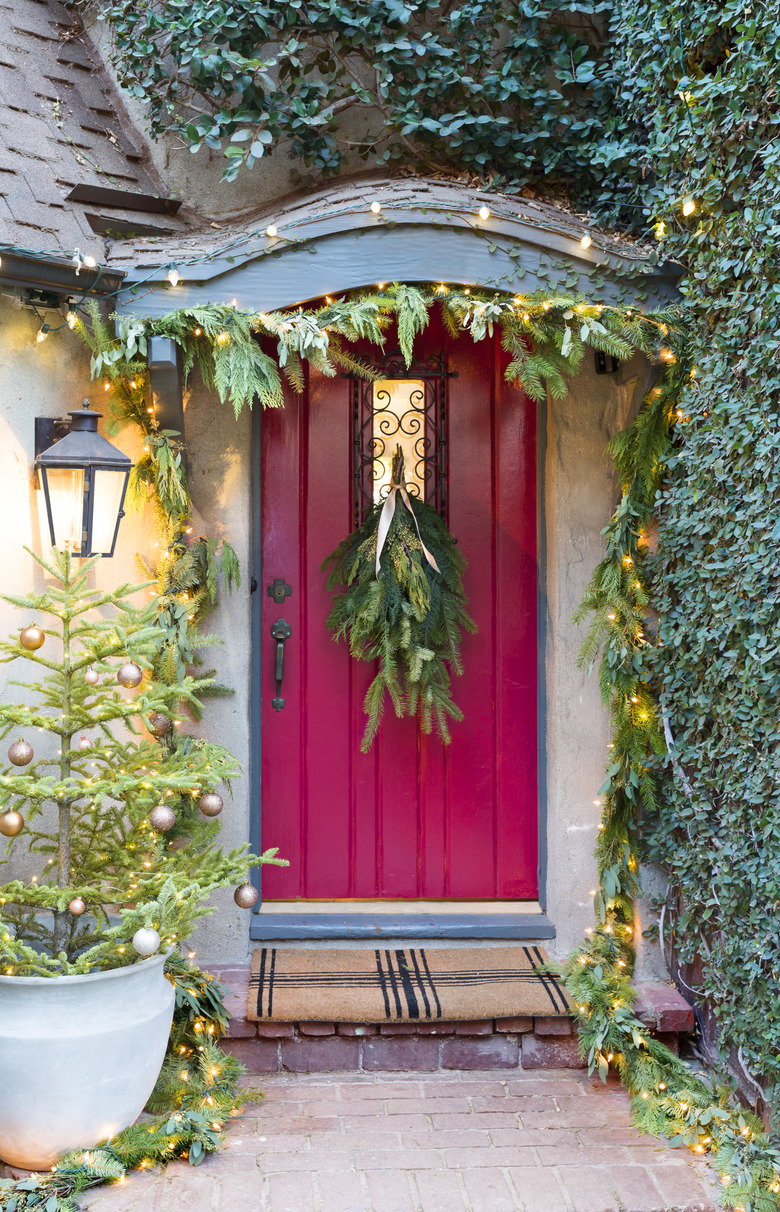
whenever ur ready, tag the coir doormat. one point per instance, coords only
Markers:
(388, 984)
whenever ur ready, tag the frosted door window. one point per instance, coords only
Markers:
(399, 420)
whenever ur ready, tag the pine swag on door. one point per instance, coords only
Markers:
(403, 605)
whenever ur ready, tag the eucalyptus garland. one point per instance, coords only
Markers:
(402, 605)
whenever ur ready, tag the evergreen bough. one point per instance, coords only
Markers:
(409, 617)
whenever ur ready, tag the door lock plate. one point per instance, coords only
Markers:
(279, 590)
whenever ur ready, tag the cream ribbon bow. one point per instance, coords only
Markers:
(386, 517)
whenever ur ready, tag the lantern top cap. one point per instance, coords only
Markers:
(83, 446)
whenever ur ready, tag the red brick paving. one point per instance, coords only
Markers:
(551, 1141)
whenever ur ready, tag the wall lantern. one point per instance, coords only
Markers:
(84, 479)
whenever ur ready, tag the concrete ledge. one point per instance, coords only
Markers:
(284, 926)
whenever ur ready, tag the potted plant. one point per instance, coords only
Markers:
(118, 806)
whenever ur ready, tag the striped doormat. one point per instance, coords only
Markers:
(373, 986)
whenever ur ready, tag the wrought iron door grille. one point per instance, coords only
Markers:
(423, 425)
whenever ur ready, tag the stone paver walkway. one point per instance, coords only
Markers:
(509, 1141)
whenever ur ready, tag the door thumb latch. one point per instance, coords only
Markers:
(281, 632)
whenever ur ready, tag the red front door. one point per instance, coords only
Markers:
(413, 819)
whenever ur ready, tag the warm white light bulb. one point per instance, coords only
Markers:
(586, 241)
(271, 231)
(71, 318)
(173, 276)
(484, 212)
(42, 333)
(689, 206)
(376, 208)
(90, 262)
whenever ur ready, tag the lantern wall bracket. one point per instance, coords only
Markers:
(49, 430)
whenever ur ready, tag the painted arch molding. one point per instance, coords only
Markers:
(374, 230)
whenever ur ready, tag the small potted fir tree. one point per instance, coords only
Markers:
(118, 806)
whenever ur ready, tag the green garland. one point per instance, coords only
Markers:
(408, 616)
(196, 1094)
(545, 333)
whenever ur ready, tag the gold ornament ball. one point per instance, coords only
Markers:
(31, 638)
(85, 743)
(162, 818)
(211, 804)
(129, 675)
(159, 723)
(20, 753)
(77, 906)
(91, 677)
(11, 823)
(245, 896)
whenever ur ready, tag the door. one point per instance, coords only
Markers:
(412, 819)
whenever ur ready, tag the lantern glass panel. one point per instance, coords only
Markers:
(106, 504)
(66, 495)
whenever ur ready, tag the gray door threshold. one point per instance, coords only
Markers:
(271, 926)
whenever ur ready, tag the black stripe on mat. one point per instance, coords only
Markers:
(405, 973)
(271, 981)
(393, 983)
(542, 976)
(260, 981)
(420, 983)
(424, 960)
(382, 982)
(554, 982)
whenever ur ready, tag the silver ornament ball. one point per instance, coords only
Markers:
(245, 896)
(20, 753)
(85, 743)
(211, 804)
(146, 941)
(162, 818)
(91, 677)
(77, 906)
(129, 675)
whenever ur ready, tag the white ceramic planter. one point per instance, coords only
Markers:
(79, 1056)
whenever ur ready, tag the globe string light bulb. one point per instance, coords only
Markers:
(484, 212)
(376, 208)
(271, 231)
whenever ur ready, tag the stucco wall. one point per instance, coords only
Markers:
(48, 379)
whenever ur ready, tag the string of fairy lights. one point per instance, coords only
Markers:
(271, 232)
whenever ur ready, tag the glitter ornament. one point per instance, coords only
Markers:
(245, 896)
(129, 675)
(31, 638)
(11, 823)
(162, 817)
(159, 723)
(91, 677)
(20, 753)
(211, 804)
(85, 743)
(146, 941)
(77, 906)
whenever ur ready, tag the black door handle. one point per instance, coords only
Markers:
(281, 632)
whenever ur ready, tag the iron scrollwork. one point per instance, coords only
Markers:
(377, 428)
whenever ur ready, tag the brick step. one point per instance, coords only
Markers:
(542, 1042)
